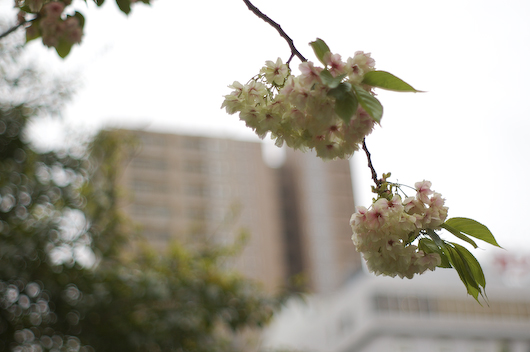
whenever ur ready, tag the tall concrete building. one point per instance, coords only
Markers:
(317, 201)
(297, 215)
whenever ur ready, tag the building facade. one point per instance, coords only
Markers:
(296, 216)
(431, 312)
(318, 202)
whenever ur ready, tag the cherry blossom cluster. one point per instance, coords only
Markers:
(298, 110)
(384, 232)
(52, 26)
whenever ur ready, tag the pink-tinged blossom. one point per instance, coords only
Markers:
(377, 215)
(251, 116)
(356, 67)
(423, 190)
(428, 261)
(73, 31)
(275, 72)
(382, 232)
(21, 16)
(359, 216)
(278, 106)
(299, 96)
(364, 60)
(295, 118)
(255, 92)
(327, 149)
(395, 204)
(232, 103)
(237, 87)
(268, 122)
(353, 68)
(51, 30)
(436, 200)
(310, 74)
(336, 66)
(415, 207)
(288, 87)
(54, 30)
(308, 116)
(53, 9)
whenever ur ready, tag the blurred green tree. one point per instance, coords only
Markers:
(66, 283)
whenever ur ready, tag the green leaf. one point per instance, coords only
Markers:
(473, 228)
(463, 271)
(63, 48)
(81, 19)
(339, 91)
(369, 103)
(345, 101)
(328, 79)
(99, 2)
(467, 274)
(459, 234)
(428, 246)
(472, 264)
(27, 9)
(124, 5)
(439, 242)
(320, 48)
(33, 31)
(386, 80)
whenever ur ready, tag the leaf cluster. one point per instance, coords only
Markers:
(34, 10)
(454, 255)
(349, 96)
(50, 297)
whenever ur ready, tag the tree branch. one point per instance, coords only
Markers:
(17, 26)
(12, 29)
(370, 165)
(257, 12)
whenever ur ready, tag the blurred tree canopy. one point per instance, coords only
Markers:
(65, 283)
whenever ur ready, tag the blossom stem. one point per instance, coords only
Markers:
(257, 12)
(371, 166)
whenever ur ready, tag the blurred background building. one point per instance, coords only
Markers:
(432, 313)
(296, 213)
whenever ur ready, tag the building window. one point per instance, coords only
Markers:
(197, 190)
(194, 166)
(149, 186)
(148, 163)
(153, 139)
(157, 235)
(196, 213)
(408, 304)
(150, 210)
(193, 143)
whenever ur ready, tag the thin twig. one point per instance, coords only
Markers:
(275, 25)
(17, 26)
(295, 52)
(371, 166)
(12, 29)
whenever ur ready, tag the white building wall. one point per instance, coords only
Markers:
(432, 312)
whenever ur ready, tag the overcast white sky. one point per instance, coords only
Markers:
(166, 68)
